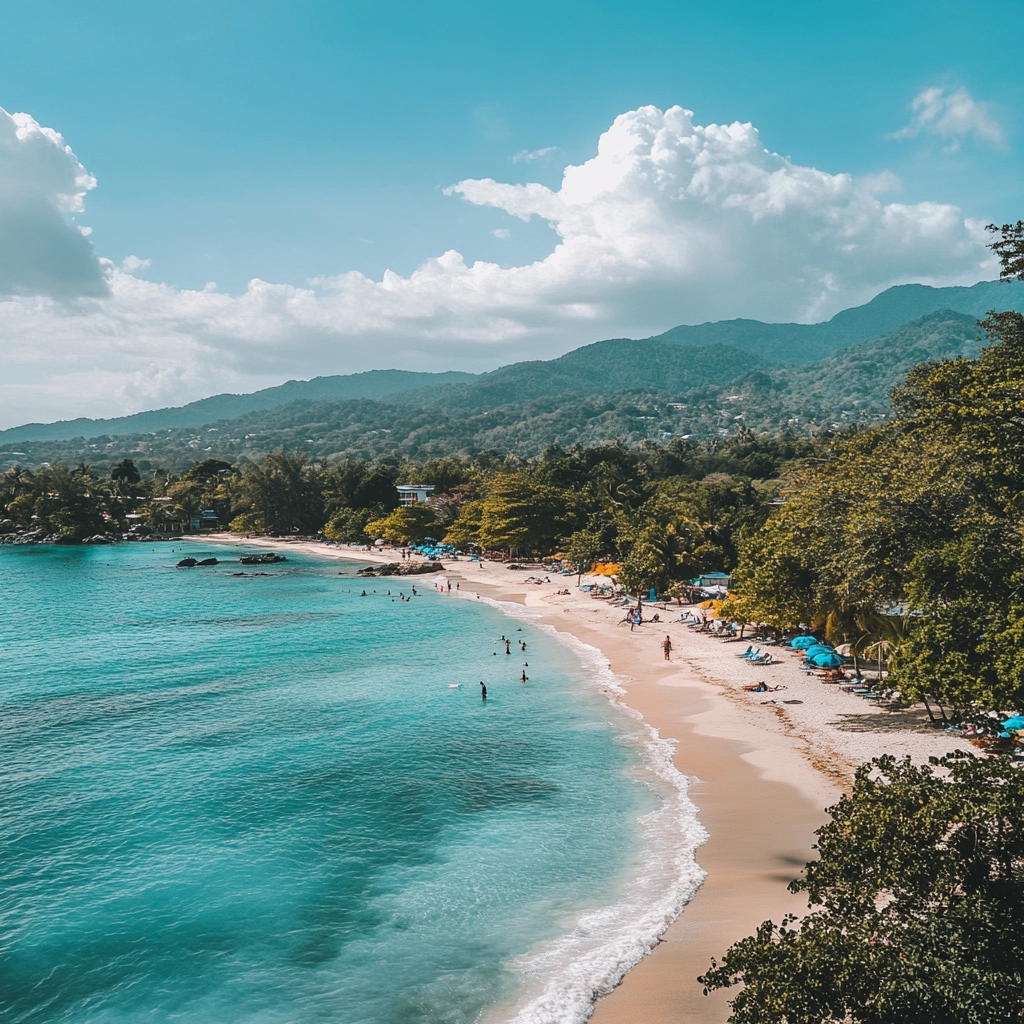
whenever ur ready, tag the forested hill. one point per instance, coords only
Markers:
(794, 344)
(372, 384)
(679, 390)
(712, 354)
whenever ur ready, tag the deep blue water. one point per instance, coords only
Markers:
(228, 799)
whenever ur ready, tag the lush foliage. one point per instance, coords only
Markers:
(918, 907)
(911, 536)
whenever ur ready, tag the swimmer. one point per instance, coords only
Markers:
(483, 690)
(363, 594)
(523, 678)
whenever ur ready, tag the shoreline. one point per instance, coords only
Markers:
(761, 772)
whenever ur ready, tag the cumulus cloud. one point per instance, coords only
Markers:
(669, 222)
(502, 233)
(41, 183)
(952, 115)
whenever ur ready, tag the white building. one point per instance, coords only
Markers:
(414, 494)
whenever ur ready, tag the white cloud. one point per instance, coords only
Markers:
(525, 156)
(502, 233)
(132, 263)
(41, 182)
(952, 115)
(670, 222)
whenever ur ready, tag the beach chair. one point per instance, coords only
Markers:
(747, 653)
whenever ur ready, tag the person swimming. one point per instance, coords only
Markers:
(524, 677)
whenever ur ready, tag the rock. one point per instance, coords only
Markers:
(267, 559)
(97, 539)
(7, 526)
(208, 561)
(187, 563)
(401, 569)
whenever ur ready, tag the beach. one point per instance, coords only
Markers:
(762, 766)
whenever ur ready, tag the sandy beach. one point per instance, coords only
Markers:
(763, 766)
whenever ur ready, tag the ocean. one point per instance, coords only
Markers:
(268, 798)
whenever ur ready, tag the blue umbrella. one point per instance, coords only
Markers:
(1015, 723)
(800, 642)
(827, 660)
(810, 652)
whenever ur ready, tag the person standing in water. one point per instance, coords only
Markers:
(508, 646)
(523, 679)
(483, 690)
(666, 646)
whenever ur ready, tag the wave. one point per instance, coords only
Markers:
(568, 974)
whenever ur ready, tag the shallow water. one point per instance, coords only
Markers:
(233, 799)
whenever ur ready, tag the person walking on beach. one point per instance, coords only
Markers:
(666, 646)
(483, 690)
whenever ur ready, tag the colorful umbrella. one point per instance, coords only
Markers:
(801, 642)
(827, 660)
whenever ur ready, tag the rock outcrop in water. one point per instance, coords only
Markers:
(190, 563)
(266, 559)
(401, 569)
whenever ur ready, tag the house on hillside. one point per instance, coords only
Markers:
(414, 494)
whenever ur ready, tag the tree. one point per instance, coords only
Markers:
(919, 897)
(583, 548)
(408, 524)
(466, 528)
(519, 514)
(247, 522)
(206, 470)
(284, 493)
(642, 569)
(126, 473)
(1009, 247)
(347, 526)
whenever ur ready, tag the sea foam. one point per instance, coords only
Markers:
(565, 977)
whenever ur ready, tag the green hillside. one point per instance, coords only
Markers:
(634, 391)
(371, 384)
(794, 344)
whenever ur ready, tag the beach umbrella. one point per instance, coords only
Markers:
(1015, 723)
(801, 642)
(810, 652)
(828, 659)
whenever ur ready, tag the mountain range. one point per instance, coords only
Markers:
(692, 380)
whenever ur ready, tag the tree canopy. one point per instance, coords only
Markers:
(917, 906)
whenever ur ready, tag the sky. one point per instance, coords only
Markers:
(216, 196)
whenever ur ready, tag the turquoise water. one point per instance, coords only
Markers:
(257, 799)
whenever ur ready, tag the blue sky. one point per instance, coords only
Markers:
(300, 140)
